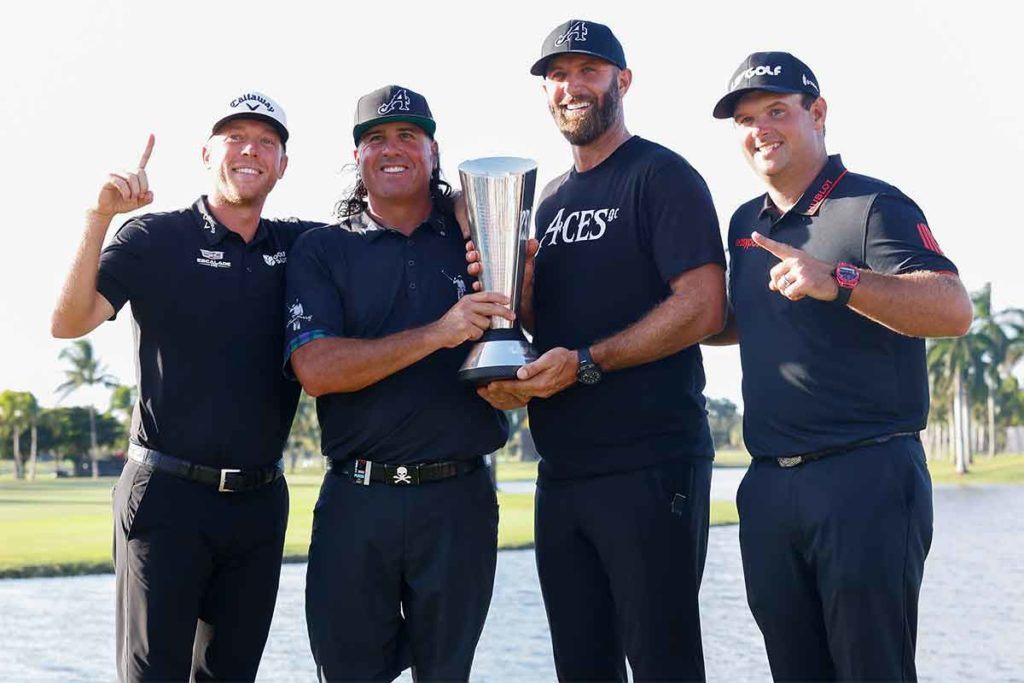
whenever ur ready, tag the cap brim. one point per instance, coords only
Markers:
(282, 132)
(726, 105)
(540, 67)
(428, 125)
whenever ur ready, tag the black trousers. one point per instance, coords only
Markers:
(400, 576)
(833, 555)
(196, 573)
(620, 559)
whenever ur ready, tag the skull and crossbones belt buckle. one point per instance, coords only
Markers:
(365, 472)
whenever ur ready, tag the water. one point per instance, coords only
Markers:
(724, 482)
(971, 622)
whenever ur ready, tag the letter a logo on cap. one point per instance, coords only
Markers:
(577, 31)
(399, 102)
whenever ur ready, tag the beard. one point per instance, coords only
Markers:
(583, 130)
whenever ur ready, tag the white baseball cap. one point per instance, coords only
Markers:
(254, 105)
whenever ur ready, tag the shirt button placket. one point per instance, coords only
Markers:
(410, 265)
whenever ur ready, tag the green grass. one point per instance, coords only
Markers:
(1002, 469)
(57, 527)
(514, 470)
(731, 457)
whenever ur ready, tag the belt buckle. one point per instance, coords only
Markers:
(406, 475)
(222, 488)
(790, 462)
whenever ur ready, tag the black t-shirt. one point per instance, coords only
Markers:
(360, 280)
(818, 375)
(612, 239)
(208, 321)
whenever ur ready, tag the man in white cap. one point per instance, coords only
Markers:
(201, 507)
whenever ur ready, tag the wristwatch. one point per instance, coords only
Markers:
(847, 276)
(588, 372)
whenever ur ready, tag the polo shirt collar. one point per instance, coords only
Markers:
(213, 230)
(816, 193)
(363, 224)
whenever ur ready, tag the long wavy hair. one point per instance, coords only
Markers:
(353, 201)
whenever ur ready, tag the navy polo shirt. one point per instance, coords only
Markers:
(612, 240)
(360, 280)
(207, 319)
(817, 375)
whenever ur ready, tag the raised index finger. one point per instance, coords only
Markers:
(149, 150)
(771, 246)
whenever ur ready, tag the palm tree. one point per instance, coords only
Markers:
(19, 410)
(85, 371)
(955, 366)
(1005, 331)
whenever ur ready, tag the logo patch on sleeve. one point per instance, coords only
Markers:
(298, 316)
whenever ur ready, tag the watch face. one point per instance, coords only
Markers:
(847, 275)
(589, 375)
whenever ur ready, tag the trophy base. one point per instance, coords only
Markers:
(497, 356)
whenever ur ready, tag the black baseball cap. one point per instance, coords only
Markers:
(772, 71)
(392, 103)
(579, 36)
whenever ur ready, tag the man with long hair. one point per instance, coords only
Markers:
(402, 558)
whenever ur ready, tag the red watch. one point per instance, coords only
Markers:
(847, 276)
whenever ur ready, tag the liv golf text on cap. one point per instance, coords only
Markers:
(389, 104)
(578, 36)
(772, 71)
(254, 105)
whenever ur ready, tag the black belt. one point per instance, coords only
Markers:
(226, 481)
(794, 460)
(364, 472)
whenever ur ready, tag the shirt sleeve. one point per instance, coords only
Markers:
(898, 239)
(124, 268)
(314, 307)
(681, 224)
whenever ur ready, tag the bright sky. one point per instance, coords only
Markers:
(922, 94)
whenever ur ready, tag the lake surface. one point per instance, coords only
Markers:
(971, 621)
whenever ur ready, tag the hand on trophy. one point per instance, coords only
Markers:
(471, 316)
(551, 373)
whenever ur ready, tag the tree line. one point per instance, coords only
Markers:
(976, 393)
(976, 397)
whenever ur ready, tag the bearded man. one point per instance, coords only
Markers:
(629, 277)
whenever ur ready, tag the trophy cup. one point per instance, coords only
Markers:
(499, 201)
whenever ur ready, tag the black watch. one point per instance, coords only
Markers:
(587, 372)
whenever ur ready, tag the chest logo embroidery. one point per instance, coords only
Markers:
(460, 284)
(745, 243)
(577, 31)
(298, 316)
(578, 226)
(212, 259)
(398, 102)
(275, 259)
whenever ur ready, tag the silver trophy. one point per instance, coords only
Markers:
(499, 200)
